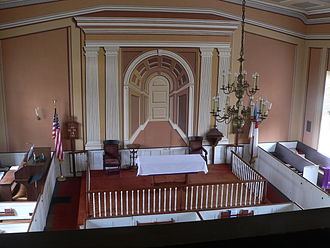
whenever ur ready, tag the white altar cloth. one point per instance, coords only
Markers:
(170, 164)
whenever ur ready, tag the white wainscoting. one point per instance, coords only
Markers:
(39, 219)
(295, 187)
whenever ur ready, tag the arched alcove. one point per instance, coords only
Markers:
(174, 96)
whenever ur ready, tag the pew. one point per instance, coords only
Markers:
(31, 173)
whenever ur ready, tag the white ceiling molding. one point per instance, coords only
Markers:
(5, 4)
(284, 10)
(156, 9)
(157, 31)
(109, 25)
(100, 43)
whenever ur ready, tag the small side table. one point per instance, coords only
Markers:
(133, 149)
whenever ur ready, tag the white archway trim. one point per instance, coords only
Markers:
(159, 52)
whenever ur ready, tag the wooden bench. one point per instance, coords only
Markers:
(7, 186)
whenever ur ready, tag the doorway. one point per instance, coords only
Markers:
(324, 136)
(158, 99)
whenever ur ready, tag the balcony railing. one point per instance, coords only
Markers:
(249, 191)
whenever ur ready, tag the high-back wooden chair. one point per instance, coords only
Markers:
(111, 155)
(196, 146)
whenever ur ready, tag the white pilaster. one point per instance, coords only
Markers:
(205, 90)
(92, 99)
(112, 92)
(224, 67)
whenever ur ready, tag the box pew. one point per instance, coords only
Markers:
(319, 159)
(294, 186)
(297, 163)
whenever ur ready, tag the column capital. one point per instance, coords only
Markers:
(206, 51)
(91, 51)
(111, 50)
(224, 52)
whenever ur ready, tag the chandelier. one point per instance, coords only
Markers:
(238, 114)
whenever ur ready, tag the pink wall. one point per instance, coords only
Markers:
(274, 60)
(35, 73)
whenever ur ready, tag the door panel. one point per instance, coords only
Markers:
(159, 94)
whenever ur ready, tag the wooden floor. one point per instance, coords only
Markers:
(219, 173)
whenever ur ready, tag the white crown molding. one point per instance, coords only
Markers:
(302, 15)
(157, 31)
(100, 43)
(164, 9)
(5, 4)
(108, 25)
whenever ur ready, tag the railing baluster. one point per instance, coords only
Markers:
(196, 197)
(154, 201)
(116, 203)
(105, 204)
(231, 194)
(241, 198)
(250, 194)
(236, 195)
(93, 202)
(148, 200)
(191, 196)
(221, 199)
(202, 193)
(170, 201)
(159, 197)
(212, 192)
(207, 196)
(110, 202)
(121, 203)
(132, 202)
(175, 197)
(246, 189)
(99, 203)
(227, 193)
(186, 199)
(217, 196)
(127, 202)
(143, 199)
(138, 202)
(164, 200)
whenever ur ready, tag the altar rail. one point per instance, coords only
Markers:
(250, 190)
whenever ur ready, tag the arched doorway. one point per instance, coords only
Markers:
(159, 99)
(159, 87)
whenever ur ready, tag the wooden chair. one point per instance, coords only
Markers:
(196, 146)
(111, 156)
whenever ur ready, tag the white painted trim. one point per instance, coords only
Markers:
(223, 65)
(138, 131)
(155, 22)
(6, 4)
(284, 10)
(205, 90)
(112, 92)
(179, 130)
(157, 31)
(92, 99)
(68, 14)
(139, 43)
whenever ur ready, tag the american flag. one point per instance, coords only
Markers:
(56, 134)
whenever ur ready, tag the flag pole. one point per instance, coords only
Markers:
(61, 178)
